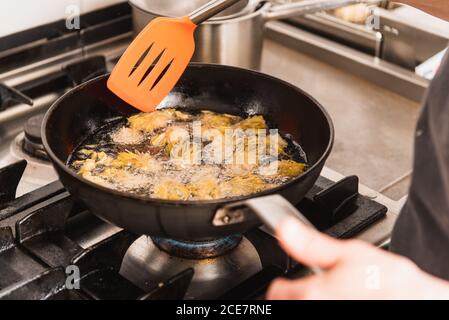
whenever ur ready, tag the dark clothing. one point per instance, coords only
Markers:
(422, 230)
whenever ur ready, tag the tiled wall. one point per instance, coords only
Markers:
(17, 15)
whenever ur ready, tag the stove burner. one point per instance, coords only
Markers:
(32, 143)
(145, 265)
(198, 250)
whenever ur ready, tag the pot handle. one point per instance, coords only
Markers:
(210, 9)
(281, 11)
(272, 210)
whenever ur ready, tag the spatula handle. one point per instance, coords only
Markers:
(210, 9)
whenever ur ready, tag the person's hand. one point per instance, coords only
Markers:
(351, 270)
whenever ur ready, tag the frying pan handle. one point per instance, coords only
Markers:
(287, 10)
(272, 210)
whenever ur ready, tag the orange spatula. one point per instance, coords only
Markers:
(156, 59)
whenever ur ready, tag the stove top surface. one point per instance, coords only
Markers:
(47, 239)
(52, 247)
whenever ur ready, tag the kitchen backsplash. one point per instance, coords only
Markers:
(18, 15)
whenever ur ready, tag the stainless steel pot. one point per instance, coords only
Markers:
(235, 37)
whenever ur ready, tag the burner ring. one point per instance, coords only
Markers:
(197, 249)
(32, 142)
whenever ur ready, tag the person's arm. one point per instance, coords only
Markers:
(352, 270)
(438, 8)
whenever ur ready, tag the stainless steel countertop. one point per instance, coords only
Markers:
(374, 126)
(374, 129)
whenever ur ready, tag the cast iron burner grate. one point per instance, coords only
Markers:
(39, 244)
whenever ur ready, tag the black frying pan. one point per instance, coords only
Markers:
(83, 110)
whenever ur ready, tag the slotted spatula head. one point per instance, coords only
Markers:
(154, 62)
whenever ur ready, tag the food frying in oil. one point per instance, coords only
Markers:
(177, 155)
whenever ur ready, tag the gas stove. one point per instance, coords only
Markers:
(45, 233)
(47, 239)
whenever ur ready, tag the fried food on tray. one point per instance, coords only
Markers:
(156, 155)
